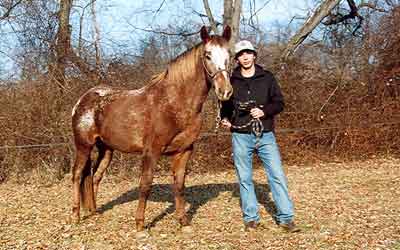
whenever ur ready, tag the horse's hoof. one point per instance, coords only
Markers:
(187, 229)
(142, 235)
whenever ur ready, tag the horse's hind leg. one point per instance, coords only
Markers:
(103, 161)
(178, 168)
(81, 167)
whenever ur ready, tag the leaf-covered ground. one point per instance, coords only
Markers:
(338, 206)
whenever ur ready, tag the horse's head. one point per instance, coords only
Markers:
(216, 61)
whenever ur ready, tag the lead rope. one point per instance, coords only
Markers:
(218, 116)
(256, 125)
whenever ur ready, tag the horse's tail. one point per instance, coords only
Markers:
(86, 189)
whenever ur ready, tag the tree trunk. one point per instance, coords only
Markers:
(228, 9)
(232, 11)
(96, 37)
(63, 49)
(63, 41)
(320, 13)
(211, 19)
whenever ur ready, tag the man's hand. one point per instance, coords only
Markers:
(226, 123)
(256, 113)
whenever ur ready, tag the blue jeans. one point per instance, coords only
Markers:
(267, 149)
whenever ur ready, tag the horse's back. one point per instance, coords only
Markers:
(114, 115)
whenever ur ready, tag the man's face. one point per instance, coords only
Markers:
(246, 59)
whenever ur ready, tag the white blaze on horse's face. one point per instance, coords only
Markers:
(217, 63)
(219, 57)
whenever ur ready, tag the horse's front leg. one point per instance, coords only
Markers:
(179, 168)
(146, 179)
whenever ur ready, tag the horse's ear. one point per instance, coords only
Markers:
(204, 34)
(227, 33)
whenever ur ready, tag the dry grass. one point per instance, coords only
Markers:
(338, 206)
(37, 139)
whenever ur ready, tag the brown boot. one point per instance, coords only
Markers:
(290, 227)
(250, 226)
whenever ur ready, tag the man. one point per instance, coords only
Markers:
(250, 115)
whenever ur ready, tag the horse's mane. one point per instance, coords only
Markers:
(180, 68)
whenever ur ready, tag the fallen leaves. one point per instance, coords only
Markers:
(338, 206)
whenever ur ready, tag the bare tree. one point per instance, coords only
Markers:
(309, 25)
(210, 16)
(63, 41)
(81, 27)
(96, 28)
(231, 17)
(33, 25)
(324, 10)
(63, 49)
(232, 11)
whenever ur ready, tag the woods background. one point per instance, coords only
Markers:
(338, 66)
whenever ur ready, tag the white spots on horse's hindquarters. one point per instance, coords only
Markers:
(86, 121)
(102, 92)
(138, 91)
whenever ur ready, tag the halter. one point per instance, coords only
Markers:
(212, 75)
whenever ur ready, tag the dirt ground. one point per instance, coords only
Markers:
(338, 206)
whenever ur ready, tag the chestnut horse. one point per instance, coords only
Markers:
(162, 118)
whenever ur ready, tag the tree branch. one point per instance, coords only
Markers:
(371, 6)
(164, 32)
(9, 9)
(259, 9)
(340, 18)
(210, 16)
(158, 10)
(81, 19)
(314, 19)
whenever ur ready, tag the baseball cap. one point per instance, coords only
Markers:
(244, 45)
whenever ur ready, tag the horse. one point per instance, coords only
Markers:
(162, 118)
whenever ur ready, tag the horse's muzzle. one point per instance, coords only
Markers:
(224, 94)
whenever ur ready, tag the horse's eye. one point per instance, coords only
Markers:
(208, 57)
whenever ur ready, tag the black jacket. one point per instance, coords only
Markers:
(261, 88)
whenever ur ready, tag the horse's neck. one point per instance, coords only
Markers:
(185, 80)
